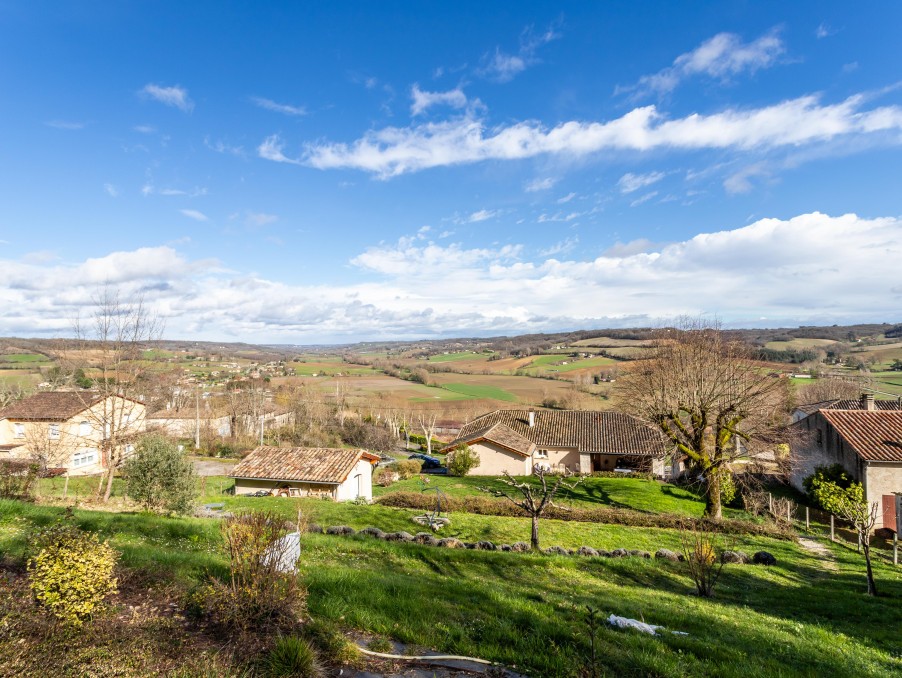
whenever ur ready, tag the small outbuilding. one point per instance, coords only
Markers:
(339, 474)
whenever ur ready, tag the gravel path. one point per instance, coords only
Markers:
(818, 549)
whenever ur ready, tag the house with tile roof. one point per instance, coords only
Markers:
(515, 441)
(68, 429)
(865, 440)
(339, 474)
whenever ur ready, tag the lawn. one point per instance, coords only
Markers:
(24, 358)
(546, 363)
(528, 611)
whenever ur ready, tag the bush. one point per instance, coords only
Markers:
(823, 475)
(462, 460)
(293, 656)
(700, 552)
(71, 572)
(159, 477)
(385, 477)
(18, 479)
(260, 594)
(407, 468)
(727, 489)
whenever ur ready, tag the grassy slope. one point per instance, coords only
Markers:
(481, 391)
(527, 610)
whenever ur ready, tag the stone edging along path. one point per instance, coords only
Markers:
(428, 539)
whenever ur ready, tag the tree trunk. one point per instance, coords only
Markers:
(713, 508)
(872, 585)
(534, 537)
(109, 485)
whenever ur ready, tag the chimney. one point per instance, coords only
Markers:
(531, 418)
(867, 402)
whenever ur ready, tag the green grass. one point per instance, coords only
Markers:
(546, 363)
(527, 611)
(451, 357)
(481, 391)
(24, 358)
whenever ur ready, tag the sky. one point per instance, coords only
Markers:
(309, 173)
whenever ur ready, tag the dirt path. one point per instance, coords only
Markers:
(214, 467)
(816, 548)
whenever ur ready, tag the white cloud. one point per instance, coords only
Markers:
(503, 67)
(565, 199)
(422, 101)
(396, 150)
(220, 146)
(195, 214)
(271, 149)
(145, 129)
(645, 198)
(111, 190)
(285, 109)
(482, 215)
(824, 31)
(562, 247)
(65, 124)
(787, 270)
(741, 181)
(630, 182)
(259, 219)
(722, 57)
(540, 184)
(175, 96)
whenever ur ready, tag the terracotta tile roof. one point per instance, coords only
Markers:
(51, 406)
(848, 404)
(875, 436)
(310, 464)
(502, 435)
(604, 432)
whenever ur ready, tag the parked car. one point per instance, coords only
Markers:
(428, 462)
(260, 493)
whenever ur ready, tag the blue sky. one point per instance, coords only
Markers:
(301, 173)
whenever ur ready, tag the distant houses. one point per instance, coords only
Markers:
(516, 441)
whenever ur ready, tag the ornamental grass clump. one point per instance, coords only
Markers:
(71, 572)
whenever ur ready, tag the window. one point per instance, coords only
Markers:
(84, 458)
(19, 430)
(84, 428)
(541, 454)
(819, 438)
(53, 431)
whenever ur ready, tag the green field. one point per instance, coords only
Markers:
(452, 357)
(546, 363)
(481, 391)
(524, 610)
(24, 358)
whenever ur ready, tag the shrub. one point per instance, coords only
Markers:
(701, 555)
(834, 474)
(260, 593)
(385, 477)
(727, 489)
(71, 572)
(159, 477)
(407, 468)
(462, 460)
(293, 656)
(18, 479)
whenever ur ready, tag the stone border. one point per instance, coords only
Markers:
(428, 539)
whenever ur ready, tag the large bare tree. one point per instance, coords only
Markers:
(702, 388)
(109, 350)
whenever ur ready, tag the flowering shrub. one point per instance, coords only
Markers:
(71, 573)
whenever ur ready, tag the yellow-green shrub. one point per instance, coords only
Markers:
(407, 468)
(71, 572)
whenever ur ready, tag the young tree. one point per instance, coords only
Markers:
(160, 477)
(109, 349)
(703, 390)
(462, 460)
(850, 503)
(533, 501)
(427, 424)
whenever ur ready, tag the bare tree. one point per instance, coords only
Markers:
(10, 393)
(533, 501)
(109, 352)
(714, 403)
(831, 388)
(427, 421)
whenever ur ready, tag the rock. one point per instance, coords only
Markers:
(450, 543)
(619, 553)
(734, 557)
(764, 558)
(340, 529)
(425, 538)
(604, 553)
(557, 551)
(505, 547)
(667, 554)
(373, 532)
(470, 545)
(485, 546)
(520, 547)
(399, 536)
(314, 529)
(587, 551)
(636, 553)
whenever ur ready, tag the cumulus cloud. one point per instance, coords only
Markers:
(422, 101)
(796, 122)
(630, 182)
(540, 184)
(284, 109)
(175, 96)
(787, 270)
(722, 57)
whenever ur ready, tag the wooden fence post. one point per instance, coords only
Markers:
(896, 549)
(807, 519)
(832, 530)
(789, 512)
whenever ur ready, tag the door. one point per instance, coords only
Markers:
(596, 463)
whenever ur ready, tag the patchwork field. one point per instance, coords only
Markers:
(798, 344)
